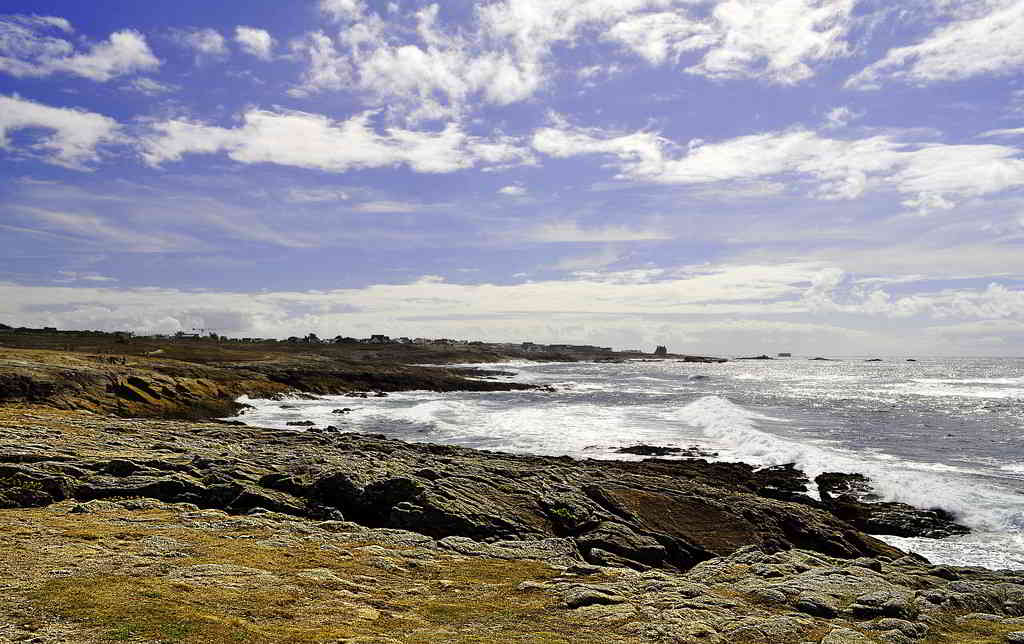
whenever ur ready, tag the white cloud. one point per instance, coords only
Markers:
(776, 40)
(663, 36)
(205, 42)
(34, 46)
(512, 191)
(256, 42)
(387, 206)
(341, 10)
(76, 276)
(593, 261)
(420, 69)
(317, 195)
(314, 141)
(326, 70)
(839, 117)
(726, 309)
(76, 134)
(150, 87)
(989, 44)
(994, 302)
(931, 174)
(97, 229)
(1007, 132)
(570, 231)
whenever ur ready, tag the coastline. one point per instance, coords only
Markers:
(612, 530)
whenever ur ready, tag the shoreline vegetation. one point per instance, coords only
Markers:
(129, 513)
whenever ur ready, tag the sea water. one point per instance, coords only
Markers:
(943, 432)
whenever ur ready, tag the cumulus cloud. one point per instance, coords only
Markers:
(75, 135)
(839, 117)
(257, 42)
(931, 174)
(663, 36)
(37, 46)
(990, 44)
(309, 140)
(727, 308)
(994, 302)
(422, 69)
(776, 41)
(205, 42)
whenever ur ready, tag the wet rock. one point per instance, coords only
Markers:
(851, 498)
(649, 450)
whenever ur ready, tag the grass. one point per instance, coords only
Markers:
(441, 599)
(974, 631)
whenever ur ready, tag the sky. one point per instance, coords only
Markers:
(728, 177)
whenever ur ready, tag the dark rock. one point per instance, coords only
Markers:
(25, 487)
(839, 484)
(343, 410)
(621, 540)
(851, 498)
(300, 423)
(649, 450)
(817, 606)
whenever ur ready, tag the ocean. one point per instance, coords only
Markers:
(940, 432)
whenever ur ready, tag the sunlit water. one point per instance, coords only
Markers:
(940, 432)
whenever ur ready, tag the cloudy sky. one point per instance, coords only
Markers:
(737, 176)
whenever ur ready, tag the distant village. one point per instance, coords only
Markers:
(312, 338)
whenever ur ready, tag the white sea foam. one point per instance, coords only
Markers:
(962, 388)
(919, 484)
(993, 550)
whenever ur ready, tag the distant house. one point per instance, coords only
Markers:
(785, 354)
(379, 339)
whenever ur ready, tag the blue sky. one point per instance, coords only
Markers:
(723, 177)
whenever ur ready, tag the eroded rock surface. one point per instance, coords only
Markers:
(642, 515)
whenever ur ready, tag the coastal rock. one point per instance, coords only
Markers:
(851, 498)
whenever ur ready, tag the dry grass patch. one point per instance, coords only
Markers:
(973, 631)
(276, 585)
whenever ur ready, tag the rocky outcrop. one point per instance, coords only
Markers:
(319, 579)
(652, 514)
(851, 498)
(138, 386)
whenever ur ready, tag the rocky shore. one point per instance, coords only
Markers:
(160, 387)
(164, 530)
